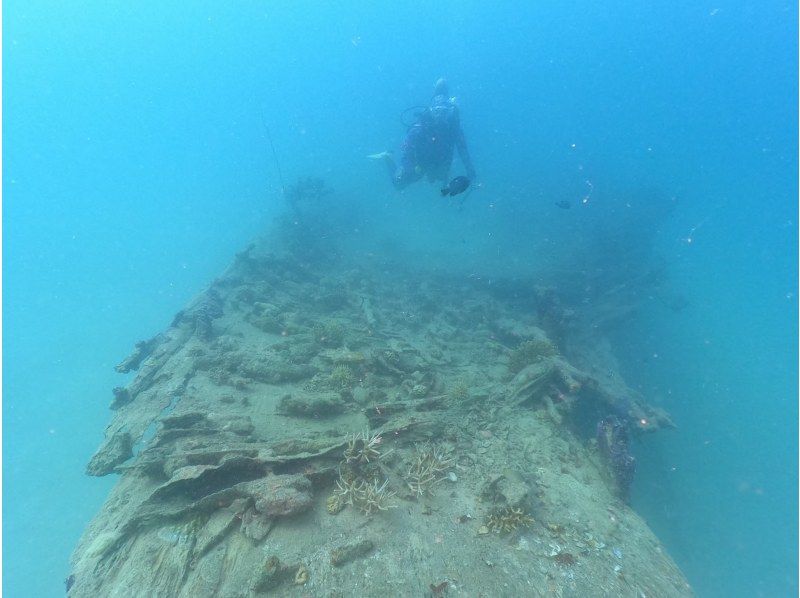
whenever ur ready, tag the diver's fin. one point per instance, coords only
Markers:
(379, 155)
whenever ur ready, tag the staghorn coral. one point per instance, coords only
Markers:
(362, 448)
(344, 495)
(508, 519)
(371, 497)
(368, 496)
(359, 483)
(426, 468)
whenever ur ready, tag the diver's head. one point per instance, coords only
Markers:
(440, 87)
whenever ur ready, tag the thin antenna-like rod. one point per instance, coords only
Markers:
(274, 153)
(275, 156)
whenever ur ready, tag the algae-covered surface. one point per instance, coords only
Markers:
(353, 427)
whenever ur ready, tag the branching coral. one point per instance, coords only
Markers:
(370, 497)
(508, 519)
(362, 448)
(359, 477)
(426, 468)
(346, 493)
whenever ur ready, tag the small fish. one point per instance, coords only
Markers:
(456, 186)
(563, 204)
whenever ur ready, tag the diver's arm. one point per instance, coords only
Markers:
(463, 152)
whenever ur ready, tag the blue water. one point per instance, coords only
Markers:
(136, 164)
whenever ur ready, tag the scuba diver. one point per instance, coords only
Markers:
(427, 149)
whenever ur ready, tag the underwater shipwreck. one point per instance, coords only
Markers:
(320, 422)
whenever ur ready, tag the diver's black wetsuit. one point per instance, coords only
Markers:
(427, 149)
